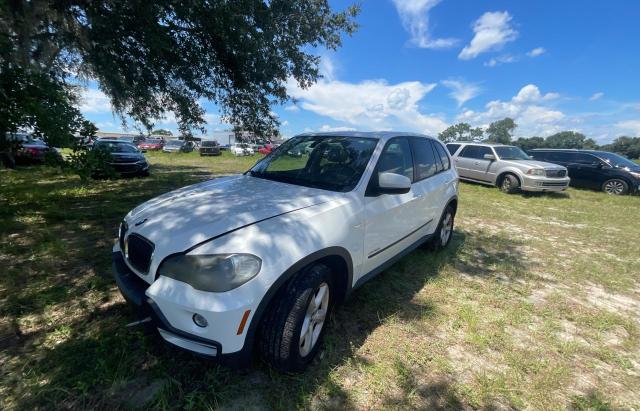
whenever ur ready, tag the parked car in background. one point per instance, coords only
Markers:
(598, 170)
(241, 149)
(209, 148)
(151, 145)
(266, 149)
(507, 167)
(259, 260)
(32, 149)
(174, 146)
(126, 158)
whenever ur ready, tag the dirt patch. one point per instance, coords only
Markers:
(599, 297)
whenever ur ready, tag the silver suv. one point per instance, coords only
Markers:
(507, 167)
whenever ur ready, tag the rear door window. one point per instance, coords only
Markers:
(425, 161)
(440, 152)
(452, 148)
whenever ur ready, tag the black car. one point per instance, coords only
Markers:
(209, 148)
(126, 158)
(594, 169)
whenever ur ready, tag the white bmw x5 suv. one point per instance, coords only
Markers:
(259, 260)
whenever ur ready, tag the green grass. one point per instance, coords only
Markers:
(536, 304)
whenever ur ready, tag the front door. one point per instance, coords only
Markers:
(390, 219)
(471, 163)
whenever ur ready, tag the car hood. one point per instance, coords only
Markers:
(186, 217)
(536, 164)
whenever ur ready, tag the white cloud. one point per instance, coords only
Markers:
(327, 128)
(414, 15)
(327, 67)
(629, 126)
(596, 96)
(526, 109)
(371, 104)
(496, 61)
(94, 101)
(538, 51)
(460, 91)
(492, 31)
(292, 108)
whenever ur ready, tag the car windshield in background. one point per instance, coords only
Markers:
(209, 144)
(616, 160)
(116, 147)
(152, 141)
(510, 153)
(176, 143)
(334, 163)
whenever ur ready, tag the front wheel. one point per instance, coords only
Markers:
(509, 184)
(291, 333)
(615, 187)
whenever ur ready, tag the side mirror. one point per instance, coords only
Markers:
(489, 157)
(392, 183)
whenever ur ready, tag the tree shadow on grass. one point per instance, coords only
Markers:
(99, 362)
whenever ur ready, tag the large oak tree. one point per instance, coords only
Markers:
(153, 57)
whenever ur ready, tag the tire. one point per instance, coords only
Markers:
(509, 184)
(616, 187)
(282, 342)
(444, 232)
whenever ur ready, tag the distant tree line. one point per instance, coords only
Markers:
(501, 132)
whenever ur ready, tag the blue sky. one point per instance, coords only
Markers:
(421, 65)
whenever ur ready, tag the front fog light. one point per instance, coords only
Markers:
(200, 321)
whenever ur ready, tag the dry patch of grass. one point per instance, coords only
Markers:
(536, 304)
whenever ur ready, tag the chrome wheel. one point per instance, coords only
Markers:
(615, 187)
(314, 319)
(447, 228)
(506, 184)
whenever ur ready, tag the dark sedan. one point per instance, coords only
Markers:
(599, 170)
(209, 148)
(126, 159)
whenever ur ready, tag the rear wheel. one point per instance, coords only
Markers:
(509, 184)
(615, 187)
(292, 331)
(442, 236)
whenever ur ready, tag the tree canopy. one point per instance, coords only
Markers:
(163, 56)
(500, 131)
(627, 146)
(460, 132)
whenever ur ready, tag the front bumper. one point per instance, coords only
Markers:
(130, 168)
(542, 183)
(134, 290)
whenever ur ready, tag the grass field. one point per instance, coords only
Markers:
(535, 305)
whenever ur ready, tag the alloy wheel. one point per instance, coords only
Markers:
(447, 228)
(614, 187)
(314, 319)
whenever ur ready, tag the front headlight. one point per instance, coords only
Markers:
(536, 172)
(215, 273)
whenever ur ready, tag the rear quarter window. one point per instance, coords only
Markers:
(452, 148)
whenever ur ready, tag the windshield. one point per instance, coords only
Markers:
(174, 143)
(209, 144)
(510, 153)
(615, 160)
(335, 163)
(116, 147)
(152, 141)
